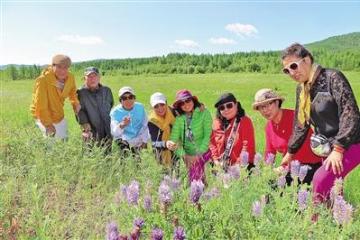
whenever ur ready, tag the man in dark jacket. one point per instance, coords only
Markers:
(96, 102)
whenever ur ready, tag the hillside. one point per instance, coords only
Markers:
(344, 42)
(342, 52)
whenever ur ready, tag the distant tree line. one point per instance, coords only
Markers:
(182, 63)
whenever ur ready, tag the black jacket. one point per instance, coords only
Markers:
(95, 110)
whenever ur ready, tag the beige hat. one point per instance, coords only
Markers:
(264, 96)
(60, 59)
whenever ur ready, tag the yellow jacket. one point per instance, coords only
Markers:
(48, 101)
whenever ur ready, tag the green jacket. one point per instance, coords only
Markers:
(200, 125)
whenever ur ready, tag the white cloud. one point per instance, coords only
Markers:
(222, 41)
(244, 30)
(82, 40)
(187, 43)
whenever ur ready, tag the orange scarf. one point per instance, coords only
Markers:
(164, 123)
(304, 97)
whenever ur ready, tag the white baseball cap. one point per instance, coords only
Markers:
(126, 89)
(157, 98)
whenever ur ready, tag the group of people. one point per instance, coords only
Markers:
(323, 132)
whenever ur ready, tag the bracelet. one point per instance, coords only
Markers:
(338, 149)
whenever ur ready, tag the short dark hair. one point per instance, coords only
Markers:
(224, 122)
(296, 49)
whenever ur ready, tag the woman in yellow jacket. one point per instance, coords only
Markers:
(50, 90)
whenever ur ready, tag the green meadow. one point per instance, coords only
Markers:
(55, 190)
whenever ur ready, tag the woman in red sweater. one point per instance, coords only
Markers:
(278, 131)
(233, 132)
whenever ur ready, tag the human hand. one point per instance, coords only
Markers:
(280, 170)
(202, 107)
(77, 108)
(125, 122)
(171, 145)
(87, 136)
(286, 159)
(334, 160)
(50, 130)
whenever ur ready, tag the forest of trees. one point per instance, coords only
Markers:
(345, 59)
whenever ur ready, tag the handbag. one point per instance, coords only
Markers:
(320, 145)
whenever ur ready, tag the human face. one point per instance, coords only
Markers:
(297, 68)
(269, 110)
(127, 101)
(228, 110)
(92, 81)
(160, 109)
(187, 105)
(61, 71)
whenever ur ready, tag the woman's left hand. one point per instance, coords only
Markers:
(334, 160)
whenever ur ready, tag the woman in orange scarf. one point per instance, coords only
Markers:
(161, 120)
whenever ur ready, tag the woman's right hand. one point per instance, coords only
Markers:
(286, 159)
(50, 130)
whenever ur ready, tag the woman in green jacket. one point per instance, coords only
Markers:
(191, 133)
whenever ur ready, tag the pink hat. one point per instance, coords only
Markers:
(182, 95)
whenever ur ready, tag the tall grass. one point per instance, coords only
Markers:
(55, 190)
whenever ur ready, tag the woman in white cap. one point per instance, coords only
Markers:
(161, 120)
(278, 131)
(129, 123)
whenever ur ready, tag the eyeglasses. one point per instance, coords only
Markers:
(292, 66)
(128, 97)
(159, 105)
(229, 105)
(185, 101)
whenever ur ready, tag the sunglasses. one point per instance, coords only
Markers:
(129, 97)
(159, 105)
(292, 66)
(229, 105)
(185, 101)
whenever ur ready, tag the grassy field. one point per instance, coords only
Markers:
(52, 190)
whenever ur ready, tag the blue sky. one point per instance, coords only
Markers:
(33, 31)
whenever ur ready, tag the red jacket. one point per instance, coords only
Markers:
(244, 134)
(277, 138)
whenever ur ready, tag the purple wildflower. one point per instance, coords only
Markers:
(112, 232)
(302, 199)
(257, 158)
(303, 171)
(175, 184)
(139, 222)
(244, 158)
(234, 171)
(294, 168)
(165, 194)
(337, 189)
(270, 159)
(196, 189)
(213, 193)
(257, 209)
(342, 211)
(281, 181)
(147, 203)
(133, 193)
(179, 233)
(167, 179)
(157, 234)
